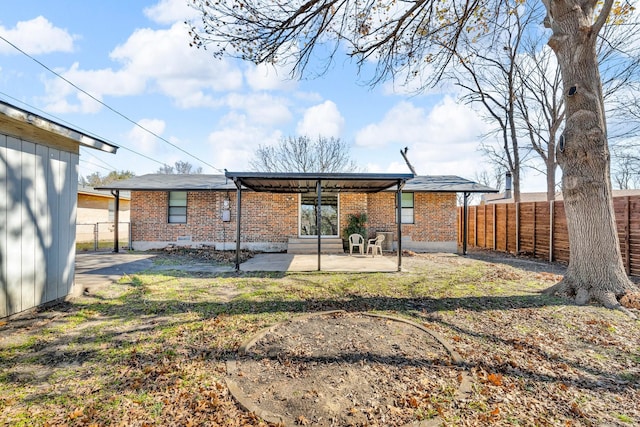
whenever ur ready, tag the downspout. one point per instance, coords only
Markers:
(399, 215)
(116, 219)
(465, 221)
(238, 217)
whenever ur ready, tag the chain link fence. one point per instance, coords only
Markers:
(99, 236)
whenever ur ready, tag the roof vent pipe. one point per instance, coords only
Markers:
(507, 185)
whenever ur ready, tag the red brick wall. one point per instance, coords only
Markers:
(270, 217)
(351, 204)
(434, 216)
(265, 217)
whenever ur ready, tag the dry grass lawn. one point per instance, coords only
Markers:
(151, 349)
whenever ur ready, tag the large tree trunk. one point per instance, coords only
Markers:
(595, 264)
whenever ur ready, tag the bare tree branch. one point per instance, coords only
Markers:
(301, 154)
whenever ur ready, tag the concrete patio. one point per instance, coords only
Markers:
(343, 263)
(94, 270)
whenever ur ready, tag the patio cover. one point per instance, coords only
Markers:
(274, 182)
(277, 182)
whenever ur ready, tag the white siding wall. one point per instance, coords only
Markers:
(37, 223)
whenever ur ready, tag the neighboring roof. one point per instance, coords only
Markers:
(445, 184)
(83, 189)
(542, 196)
(306, 182)
(172, 182)
(34, 125)
(524, 197)
(295, 183)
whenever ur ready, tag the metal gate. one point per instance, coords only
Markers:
(100, 236)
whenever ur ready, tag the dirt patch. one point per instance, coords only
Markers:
(206, 253)
(340, 369)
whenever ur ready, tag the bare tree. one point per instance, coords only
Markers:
(489, 78)
(96, 179)
(626, 174)
(301, 154)
(522, 81)
(402, 38)
(541, 101)
(540, 107)
(494, 178)
(180, 167)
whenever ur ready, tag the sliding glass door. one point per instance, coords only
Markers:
(308, 219)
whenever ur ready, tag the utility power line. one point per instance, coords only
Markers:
(108, 107)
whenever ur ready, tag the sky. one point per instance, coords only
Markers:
(164, 101)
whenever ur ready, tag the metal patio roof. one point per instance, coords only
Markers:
(307, 182)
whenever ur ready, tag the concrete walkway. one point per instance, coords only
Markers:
(95, 269)
(342, 263)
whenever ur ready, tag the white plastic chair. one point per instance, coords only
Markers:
(356, 241)
(375, 245)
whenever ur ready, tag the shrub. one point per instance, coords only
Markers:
(356, 223)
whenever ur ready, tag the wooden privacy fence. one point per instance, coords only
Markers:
(539, 229)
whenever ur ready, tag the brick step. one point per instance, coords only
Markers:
(310, 246)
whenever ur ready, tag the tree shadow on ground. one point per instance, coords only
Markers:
(525, 263)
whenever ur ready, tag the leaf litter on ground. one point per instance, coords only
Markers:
(152, 350)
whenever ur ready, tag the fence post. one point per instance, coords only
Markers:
(475, 227)
(627, 235)
(517, 228)
(129, 233)
(506, 227)
(551, 215)
(534, 229)
(95, 237)
(485, 227)
(495, 228)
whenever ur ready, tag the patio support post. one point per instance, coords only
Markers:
(238, 216)
(465, 221)
(319, 218)
(399, 215)
(116, 219)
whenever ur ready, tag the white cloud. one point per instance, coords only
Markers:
(153, 60)
(405, 124)
(144, 141)
(309, 97)
(170, 12)
(440, 141)
(261, 108)
(269, 77)
(36, 36)
(63, 98)
(235, 143)
(321, 120)
(166, 57)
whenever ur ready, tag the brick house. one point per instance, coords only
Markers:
(201, 210)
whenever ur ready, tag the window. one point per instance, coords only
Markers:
(407, 208)
(177, 207)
